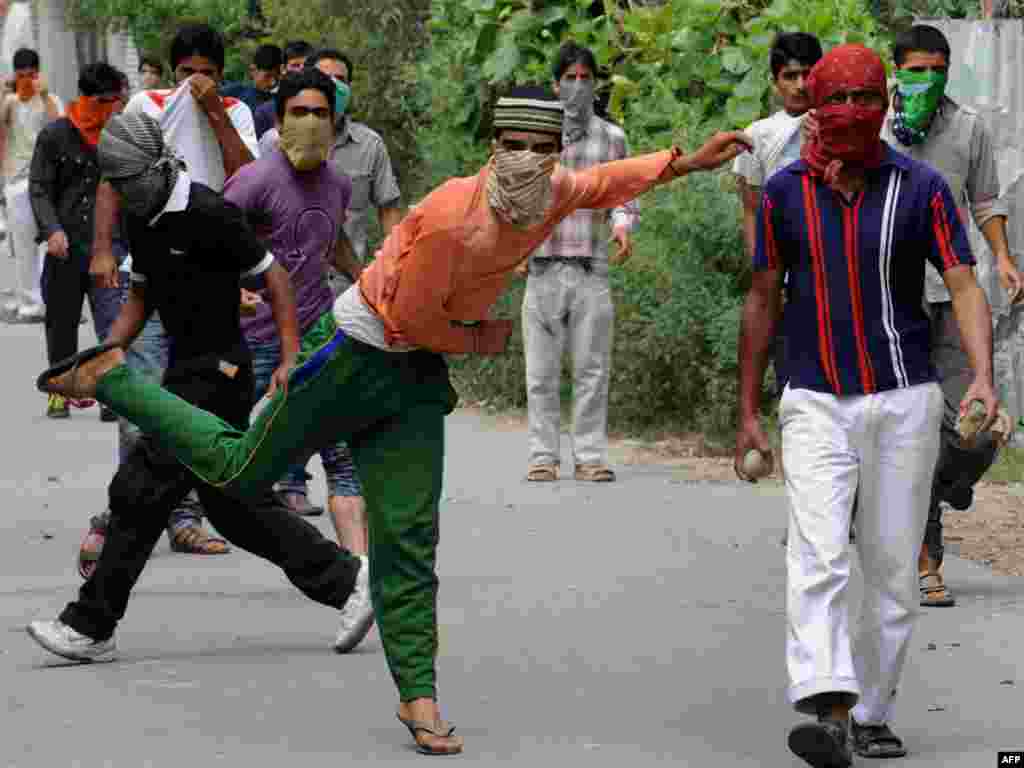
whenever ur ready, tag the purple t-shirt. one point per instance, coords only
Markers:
(298, 215)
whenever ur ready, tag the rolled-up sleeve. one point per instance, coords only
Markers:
(626, 215)
(983, 193)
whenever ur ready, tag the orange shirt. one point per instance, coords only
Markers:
(450, 257)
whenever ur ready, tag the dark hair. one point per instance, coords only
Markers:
(293, 83)
(26, 58)
(268, 58)
(534, 93)
(335, 55)
(571, 53)
(295, 49)
(149, 60)
(793, 46)
(198, 40)
(100, 78)
(920, 37)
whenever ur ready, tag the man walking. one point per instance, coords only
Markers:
(851, 227)
(568, 301)
(63, 179)
(929, 126)
(381, 383)
(23, 114)
(190, 248)
(296, 52)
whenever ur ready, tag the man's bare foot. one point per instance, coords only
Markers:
(433, 735)
(80, 381)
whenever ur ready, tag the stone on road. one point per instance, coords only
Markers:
(631, 623)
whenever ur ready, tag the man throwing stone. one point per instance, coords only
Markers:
(381, 384)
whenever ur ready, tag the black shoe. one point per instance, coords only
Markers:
(876, 741)
(106, 414)
(824, 744)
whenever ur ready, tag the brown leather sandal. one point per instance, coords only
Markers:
(193, 540)
(934, 593)
(442, 729)
(594, 473)
(542, 473)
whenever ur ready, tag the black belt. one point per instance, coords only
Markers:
(586, 262)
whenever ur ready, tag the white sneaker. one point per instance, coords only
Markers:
(357, 615)
(57, 637)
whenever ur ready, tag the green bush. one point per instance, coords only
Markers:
(681, 69)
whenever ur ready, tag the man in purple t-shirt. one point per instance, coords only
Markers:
(296, 202)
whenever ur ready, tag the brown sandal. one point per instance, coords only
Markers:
(441, 730)
(934, 593)
(542, 473)
(195, 541)
(594, 473)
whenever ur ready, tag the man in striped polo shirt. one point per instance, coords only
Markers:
(852, 225)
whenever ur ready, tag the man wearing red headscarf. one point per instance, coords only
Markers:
(852, 225)
(63, 179)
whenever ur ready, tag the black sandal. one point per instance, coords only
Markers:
(70, 364)
(824, 744)
(876, 741)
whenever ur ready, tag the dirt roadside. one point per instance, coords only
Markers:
(990, 532)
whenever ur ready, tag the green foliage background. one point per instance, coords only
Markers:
(427, 73)
(676, 72)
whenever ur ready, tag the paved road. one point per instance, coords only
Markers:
(635, 623)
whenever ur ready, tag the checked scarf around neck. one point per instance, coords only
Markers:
(134, 158)
(848, 134)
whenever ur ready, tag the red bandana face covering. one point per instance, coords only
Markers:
(848, 135)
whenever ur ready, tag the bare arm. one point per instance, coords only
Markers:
(757, 330)
(131, 319)
(389, 216)
(236, 154)
(103, 265)
(974, 318)
(750, 197)
(282, 306)
(994, 231)
(345, 257)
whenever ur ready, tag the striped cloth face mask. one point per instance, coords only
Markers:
(519, 186)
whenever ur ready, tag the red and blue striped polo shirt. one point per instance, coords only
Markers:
(854, 319)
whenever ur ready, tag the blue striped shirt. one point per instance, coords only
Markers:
(854, 319)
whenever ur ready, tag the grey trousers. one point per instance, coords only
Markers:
(566, 306)
(958, 468)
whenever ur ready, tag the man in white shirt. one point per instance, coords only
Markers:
(777, 139)
(22, 116)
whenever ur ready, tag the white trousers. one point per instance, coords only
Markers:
(28, 255)
(565, 305)
(884, 446)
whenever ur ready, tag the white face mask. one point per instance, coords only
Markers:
(519, 186)
(577, 97)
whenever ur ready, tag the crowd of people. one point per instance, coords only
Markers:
(220, 234)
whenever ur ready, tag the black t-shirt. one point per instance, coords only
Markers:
(191, 264)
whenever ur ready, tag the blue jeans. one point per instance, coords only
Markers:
(337, 458)
(149, 354)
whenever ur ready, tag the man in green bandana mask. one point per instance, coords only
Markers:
(927, 125)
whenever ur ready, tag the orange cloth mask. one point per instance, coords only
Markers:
(25, 87)
(89, 115)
